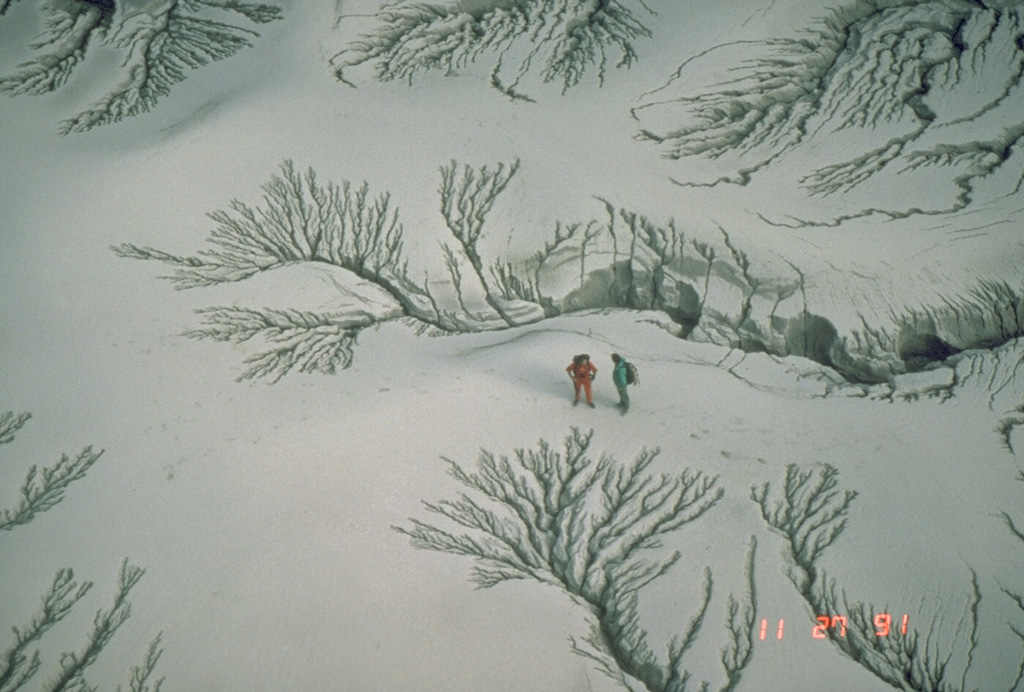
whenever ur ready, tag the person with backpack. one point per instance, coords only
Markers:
(582, 372)
(623, 374)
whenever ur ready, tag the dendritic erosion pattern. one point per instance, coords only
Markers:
(160, 43)
(809, 511)
(42, 490)
(710, 292)
(563, 40)
(594, 529)
(923, 88)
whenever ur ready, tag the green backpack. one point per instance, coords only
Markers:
(632, 376)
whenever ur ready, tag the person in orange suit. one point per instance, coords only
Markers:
(582, 373)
